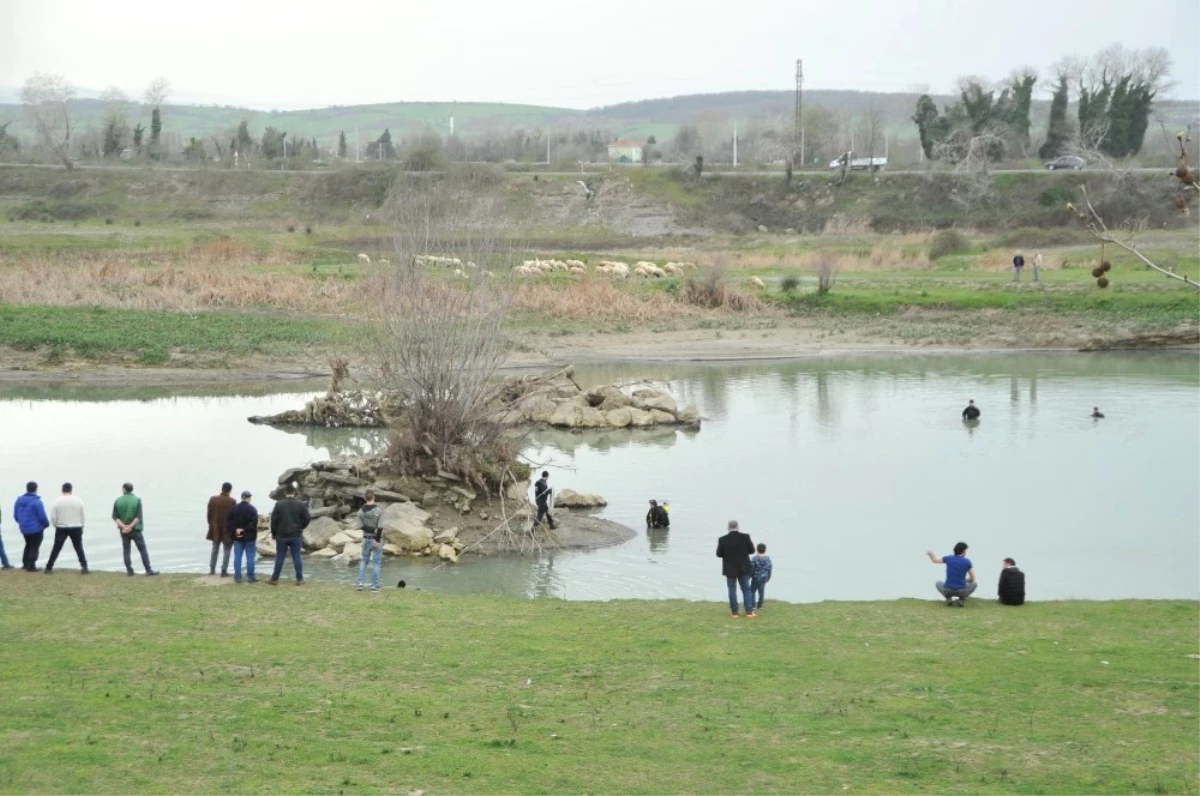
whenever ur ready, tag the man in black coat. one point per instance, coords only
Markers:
(1012, 584)
(734, 550)
(289, 518)
(541, 496)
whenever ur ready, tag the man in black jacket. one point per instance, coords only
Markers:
(289, 518)
(541, 496)
(734, 550)
(971, 412)
(243, 529)
(1012, 584)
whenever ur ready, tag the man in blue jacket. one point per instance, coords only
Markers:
(31, 519)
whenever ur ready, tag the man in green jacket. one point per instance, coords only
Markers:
(127, 514)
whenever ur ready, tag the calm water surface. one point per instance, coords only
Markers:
(847, 469)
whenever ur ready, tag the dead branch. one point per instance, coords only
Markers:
(1094, 224)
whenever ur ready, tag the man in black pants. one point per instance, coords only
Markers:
(541, 496)
(66, 515)
(1012, 584)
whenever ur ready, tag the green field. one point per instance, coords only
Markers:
(150, 686)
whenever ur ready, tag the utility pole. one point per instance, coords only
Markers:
(547, 147)
(735, 143)
(800, 107)
(356, 141)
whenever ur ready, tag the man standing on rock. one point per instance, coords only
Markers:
(734, 550)
(219, 507)
(127, 514)
(32, 522)
(541, 495)
(243, 527)
(289, 518)
(66, 515)
(371, 517)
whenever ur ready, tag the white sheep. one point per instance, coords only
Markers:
(576, 264)
(362, 258)
(754, 280)
(384, 261)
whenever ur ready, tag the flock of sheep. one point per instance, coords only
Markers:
(613, 269)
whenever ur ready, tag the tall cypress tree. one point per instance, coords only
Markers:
(1059, 130)
(155, 133)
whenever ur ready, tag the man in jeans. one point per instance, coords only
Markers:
(960, 576)
(127, 514)
(32, 521)
(370, 515)
(734, 549)
(66, 515)
(289, 518)
(243, 528)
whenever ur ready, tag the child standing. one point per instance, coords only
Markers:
(760, 568)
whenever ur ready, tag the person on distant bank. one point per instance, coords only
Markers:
(1037, 267)
(760, 566)
(32, 522)
(541, 496)
(1018, 264)
(734, 549)
(4, 562)
(219, 507)
(1011, 590)
(127, 514)
(971, 412)
(66, 515)
(243, 529)
(960, 580)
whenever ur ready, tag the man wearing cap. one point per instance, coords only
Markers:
(219, 507)
(243, 529)
(66, 515)
(127, 514)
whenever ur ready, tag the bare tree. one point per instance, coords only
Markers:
(116, 123)
(871, 129)
(45, 98)
(157, 92)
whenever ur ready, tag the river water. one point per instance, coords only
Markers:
(848, 469)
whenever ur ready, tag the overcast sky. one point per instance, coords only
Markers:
(298, 54)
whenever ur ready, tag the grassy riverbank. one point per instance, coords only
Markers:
(167, 685)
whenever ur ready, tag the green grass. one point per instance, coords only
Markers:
(155, 336)
(143, 686)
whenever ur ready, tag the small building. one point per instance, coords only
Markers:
(625, 151)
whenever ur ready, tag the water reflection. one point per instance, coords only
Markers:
(341, 441)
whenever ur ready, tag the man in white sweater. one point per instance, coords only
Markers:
(67, 518)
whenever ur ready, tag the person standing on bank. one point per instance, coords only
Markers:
(371, 516)
(734, 549)
(32, 521)
(66, 515)
(541, 495)
(1011, 590)
(219, 507)
(289, 518)
(1018, 264)
(243, 529)
(127, 514)
(4, 562)
(1037, 267)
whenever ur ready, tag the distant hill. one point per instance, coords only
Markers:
(658, 117)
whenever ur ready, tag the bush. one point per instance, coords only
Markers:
(65, 210)
(1058, 196)
(425, 156)
(711, 289)
(948, 241)
(291, 227)
(308, 230)
(789, 283)
(108, 221)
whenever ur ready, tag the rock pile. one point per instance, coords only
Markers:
(341, 409)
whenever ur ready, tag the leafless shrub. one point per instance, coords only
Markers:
(711, 289)
(826, 270)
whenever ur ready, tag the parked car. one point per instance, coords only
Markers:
(858, 164)
(1066, 162)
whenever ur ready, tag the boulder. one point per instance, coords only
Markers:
(324, 553)
(446, 553)
(654, 399)
(339, 478)
(590, 417)
(389, 550)
(351, 555)
(325, 511)
(447, 536)
(404, 526)
(319, 532)
(265, 545)
(570, 499)
(689, 417)
(566, 415)
(355, 534)
(607, 397)
(538, 409)
(640, 418)
(661, 417)
(293, 474)
(341, 539)
(619, 418)
(463, 492)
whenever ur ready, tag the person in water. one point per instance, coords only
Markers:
(971, 412)
(1096, 413)
(657, 516)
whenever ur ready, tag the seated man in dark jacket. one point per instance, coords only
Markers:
(1012, 584)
